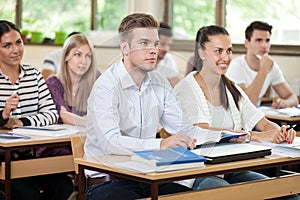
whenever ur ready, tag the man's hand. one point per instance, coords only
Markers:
(279, 103)
(178, 139)
(265, 63)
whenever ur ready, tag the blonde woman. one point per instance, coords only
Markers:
(71, 87)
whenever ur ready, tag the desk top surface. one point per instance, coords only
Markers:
(283, 118)
(34, 139)
(274, 114)
(107, 162)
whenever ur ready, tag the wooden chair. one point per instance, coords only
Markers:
(163, 133)
(77, 144)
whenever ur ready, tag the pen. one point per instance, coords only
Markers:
(290, 127)
(293, 126)
(15, 92)
(258, 56)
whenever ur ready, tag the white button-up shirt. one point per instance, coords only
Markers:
(122, 118)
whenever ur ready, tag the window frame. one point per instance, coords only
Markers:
(188, 45)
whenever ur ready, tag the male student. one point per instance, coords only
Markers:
(166, 65)
(126, 106)
(256, 71)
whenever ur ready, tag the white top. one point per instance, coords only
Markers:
(122, 118)
(196, 107)
(219, 113)
(53, 61)
(199, 110)
(167, 67)
(240, 72)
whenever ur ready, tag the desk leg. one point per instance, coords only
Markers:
(7, 181)
(154, 190)
(81, 183)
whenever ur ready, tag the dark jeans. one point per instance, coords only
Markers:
(127, 190)
(47, 187)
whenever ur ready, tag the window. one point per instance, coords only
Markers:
(53, 16)
(109, 14)
(7, 10)
(56, 15)
(284, 16)
(189, 16)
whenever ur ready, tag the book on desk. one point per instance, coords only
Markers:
(55, 130)
(285, 112)
(212, 137)
(149, 161)
(13, 136)
(289, 150)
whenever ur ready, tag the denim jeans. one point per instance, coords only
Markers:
(127, 190)
(237, 177)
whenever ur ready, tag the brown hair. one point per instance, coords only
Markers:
(201, 39)
(135, 20)
(257, 25)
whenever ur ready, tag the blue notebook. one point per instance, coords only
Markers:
(177, 155)
(226, 136)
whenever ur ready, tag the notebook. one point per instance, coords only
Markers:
(228, 152)
(148, 161)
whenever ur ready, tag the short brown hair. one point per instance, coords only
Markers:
(136, 20)
(257, 25)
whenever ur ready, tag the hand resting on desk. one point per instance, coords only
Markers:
(13, 123)
(178, 139)
(275, 135)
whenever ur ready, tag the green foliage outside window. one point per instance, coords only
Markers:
(186, 16)
(56, 15)
(189, 16)
(109, 14)
(284, 16)
(7, 10)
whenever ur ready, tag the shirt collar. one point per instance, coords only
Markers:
(126, 80)
(22, 71)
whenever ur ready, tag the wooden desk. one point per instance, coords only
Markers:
(32, 167)
(156, 178)
(279, 118)
(285, 119)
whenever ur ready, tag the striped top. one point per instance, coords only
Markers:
(36, 107)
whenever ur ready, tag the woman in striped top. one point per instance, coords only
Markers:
(24, 96)
(25, 100)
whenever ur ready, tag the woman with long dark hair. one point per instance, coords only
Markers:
(212, 101)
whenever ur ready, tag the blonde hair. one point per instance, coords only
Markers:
(78, 102)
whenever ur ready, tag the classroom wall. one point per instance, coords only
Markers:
(34, 55)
